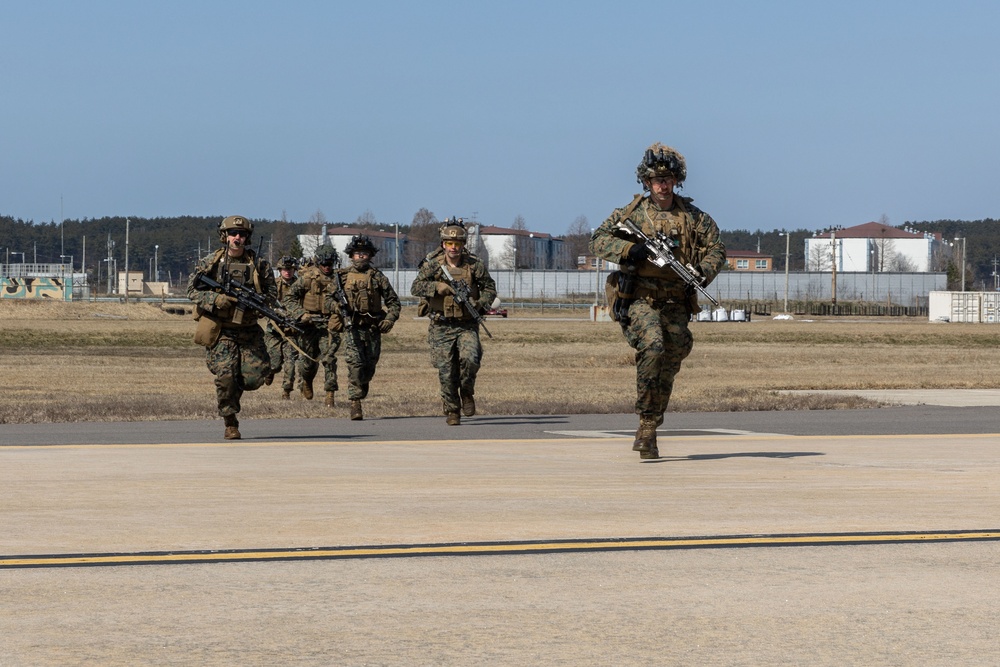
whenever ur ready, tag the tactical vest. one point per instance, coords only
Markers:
(363, 296)
(318, 286)
(446, 305)
(678, 225)
(243, 271)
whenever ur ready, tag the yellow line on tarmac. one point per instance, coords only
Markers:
(492, 548)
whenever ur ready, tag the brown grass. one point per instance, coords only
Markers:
(92, 362)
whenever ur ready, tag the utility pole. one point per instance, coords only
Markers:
(833, 288)
(788, 238)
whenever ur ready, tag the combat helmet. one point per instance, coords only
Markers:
(235, 222)
(327, 256)
(361, 243)
(288, 262)
(453, 229)
(660, 160)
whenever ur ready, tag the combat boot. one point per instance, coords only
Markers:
(307, 389)
(232, 427)
(357, 414)
(269, 379)
(453, 419)
(468, 406)
(329, 402)
(645, 439)
(286, 394)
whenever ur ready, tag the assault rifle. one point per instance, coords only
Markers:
(247, 298)
(345, 307)
(658, 251)
(463, 296)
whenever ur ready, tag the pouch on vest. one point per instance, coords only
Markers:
(208, 330)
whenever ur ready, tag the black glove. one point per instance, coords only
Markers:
(637, 253)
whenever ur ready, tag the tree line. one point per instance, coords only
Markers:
(175, 244)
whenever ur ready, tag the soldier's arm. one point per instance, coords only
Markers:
(389, 298)
(603, 242)
(487, 286)
(711, 252)
(201, 295)
(293, 299)
(425, 284)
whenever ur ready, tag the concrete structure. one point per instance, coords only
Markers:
(748, 260)
(872, 247)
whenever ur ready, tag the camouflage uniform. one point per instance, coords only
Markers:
(366, 290)
(659, 316)
(453, 335)
(308, 295)
(282, 353)
(238, 358)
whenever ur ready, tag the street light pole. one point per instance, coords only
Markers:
(962, 239)
(156, 263)
(788, 238)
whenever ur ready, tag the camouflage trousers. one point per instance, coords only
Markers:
(661, 338)
(239, 362)
(457, 354)
(362, 351)
(321, 345)
(283, 356)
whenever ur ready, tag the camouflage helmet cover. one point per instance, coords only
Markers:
(362, 243)
(234, 222)
(660, 160)
(288, 262)
(327, 256)
(453, 229)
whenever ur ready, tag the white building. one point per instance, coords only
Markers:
(872, 248)
(339, 237)
(519, 248)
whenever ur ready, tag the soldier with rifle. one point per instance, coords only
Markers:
(456, 288)
(307, 300)
(669, 251)
(231, 288)
(369, 308)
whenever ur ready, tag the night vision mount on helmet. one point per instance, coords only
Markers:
(235, 222)
(287, 262)
(361, 243)
(660, 160)
(453, 229)
(327, 256)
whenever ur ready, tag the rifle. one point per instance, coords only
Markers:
(249, 298)
(463, 296)
(345, 307)
(658, 250)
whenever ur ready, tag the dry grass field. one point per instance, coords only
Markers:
(64, 362)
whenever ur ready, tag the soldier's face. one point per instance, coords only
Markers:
(235, 240)
(453, 249)
(360, 258)
(288, 274)
(661, 188)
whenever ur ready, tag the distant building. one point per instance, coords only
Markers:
(748, 260)
(872, 248)
(507, 247)
(339, 237)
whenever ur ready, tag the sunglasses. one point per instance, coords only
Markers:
(238, 232)
(453, 244)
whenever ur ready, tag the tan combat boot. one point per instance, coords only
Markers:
(307, 389)
(645, 439)
(286, 395)
(468, 406)
(232, 428)
(357, 414)
(329, 402)
(453, 419)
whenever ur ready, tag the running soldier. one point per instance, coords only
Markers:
(236, 353)
(366, 289)
(453, 333)
(306, 301)
(659, 305)
(279, 346)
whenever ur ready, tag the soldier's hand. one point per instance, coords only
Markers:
(306, 318)
(223, 301)
(444, 289)
(637, 253)
(385, 326)
(336, 324)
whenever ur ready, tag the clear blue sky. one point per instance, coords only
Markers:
(790, 114)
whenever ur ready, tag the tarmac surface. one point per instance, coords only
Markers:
(862, 537)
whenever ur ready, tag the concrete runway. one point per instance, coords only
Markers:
(865, 537)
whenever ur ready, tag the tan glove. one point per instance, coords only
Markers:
(306, 318)
(223, 301)
(335, 324)
(444, 289)
(385, 326)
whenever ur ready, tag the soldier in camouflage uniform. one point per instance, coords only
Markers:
(366, 289)
(453, 335)
(657, 323)
(236, 353)
(279, 347)
(306, 301)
